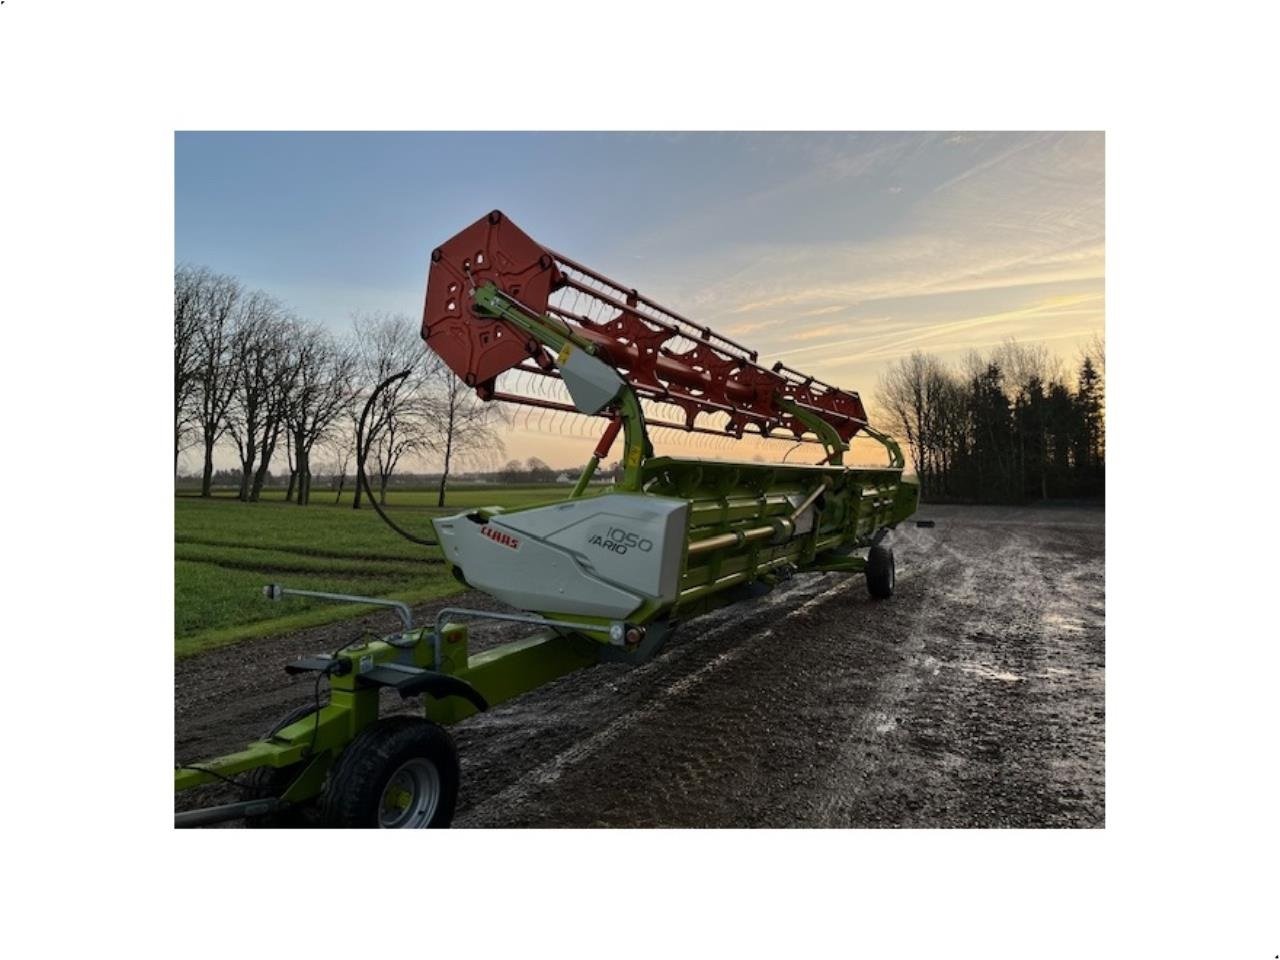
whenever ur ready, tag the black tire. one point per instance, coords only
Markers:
(262, 782)
(401, 749)
(881, 573)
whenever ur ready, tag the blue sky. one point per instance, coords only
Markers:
(835, 252)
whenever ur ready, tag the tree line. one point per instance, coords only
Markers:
(1009, 427)
(536, 470)
(253, 376)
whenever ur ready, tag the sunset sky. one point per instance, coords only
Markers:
(836, 253)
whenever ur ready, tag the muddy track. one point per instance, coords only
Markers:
(974, 697)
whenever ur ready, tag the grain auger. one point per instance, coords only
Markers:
(599, 575)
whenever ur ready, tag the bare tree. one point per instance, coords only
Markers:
(276, 407)
(342, 444)
(322, 391)
(1024, 363)
(293, 465)
(400, 422)
(261, 385)
(465, 428)
(539, 470)
(1096, 351)
(188, 290)
(217, 362)
(912, 391)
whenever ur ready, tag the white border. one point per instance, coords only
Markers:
(93, 92)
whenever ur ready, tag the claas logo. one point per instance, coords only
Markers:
(498, 536)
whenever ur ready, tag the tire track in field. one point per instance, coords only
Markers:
(550, 771)
(691, 753)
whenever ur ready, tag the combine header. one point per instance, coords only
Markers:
(602, 577)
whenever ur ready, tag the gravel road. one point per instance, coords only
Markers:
(973, 698)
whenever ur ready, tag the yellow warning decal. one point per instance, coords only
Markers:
(564, 354)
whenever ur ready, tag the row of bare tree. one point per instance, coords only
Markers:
(247, 371)
(1007, 427)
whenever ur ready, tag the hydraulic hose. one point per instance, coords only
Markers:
(362, 478)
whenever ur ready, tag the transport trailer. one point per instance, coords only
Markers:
(596, 576)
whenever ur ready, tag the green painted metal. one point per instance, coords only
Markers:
(584, 478)
(511, 669)
(543, 329)
(836, 448)
(291, 746)
(636, 445)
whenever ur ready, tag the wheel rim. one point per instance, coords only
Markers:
(410, 798)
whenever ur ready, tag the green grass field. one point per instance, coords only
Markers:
(225, 551)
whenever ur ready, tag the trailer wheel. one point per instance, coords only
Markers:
(263, 782)
(881, 574)
(400, 773)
